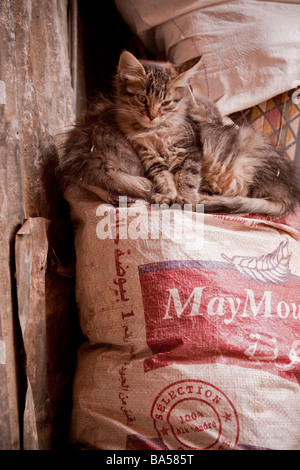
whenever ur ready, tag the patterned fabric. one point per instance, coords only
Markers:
(279, 119)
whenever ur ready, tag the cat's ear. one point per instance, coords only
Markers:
(186, 71)
(129, 67)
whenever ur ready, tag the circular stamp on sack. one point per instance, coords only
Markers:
(192, 414)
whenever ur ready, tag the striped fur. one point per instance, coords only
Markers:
(189, 154)
(97, 155)
(152, 108)
(153, 141)
(241, 171)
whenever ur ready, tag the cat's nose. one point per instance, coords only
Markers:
(152, 112)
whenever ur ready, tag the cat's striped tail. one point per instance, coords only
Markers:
(246, 205)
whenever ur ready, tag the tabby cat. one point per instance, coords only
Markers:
(154, 130)
(187, 151)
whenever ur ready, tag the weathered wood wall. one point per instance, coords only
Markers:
(36, 105)
(53, 55)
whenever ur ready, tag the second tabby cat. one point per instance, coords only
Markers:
(187, 151)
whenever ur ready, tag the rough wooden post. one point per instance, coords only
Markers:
(36, 105)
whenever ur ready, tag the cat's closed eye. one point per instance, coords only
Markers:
(166, 103)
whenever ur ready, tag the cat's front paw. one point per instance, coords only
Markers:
(187, 200)
(182, 200)
(203, 198)
(186, 203)
(166, 195)
(158, 198)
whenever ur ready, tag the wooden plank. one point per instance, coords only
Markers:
(46, 302)
(31, 264)
(36, 105)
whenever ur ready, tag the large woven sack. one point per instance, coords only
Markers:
(192, 326)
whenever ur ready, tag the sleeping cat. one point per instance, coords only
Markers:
(154, 130)
(189, 154)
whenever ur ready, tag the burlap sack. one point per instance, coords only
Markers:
(192, 324)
